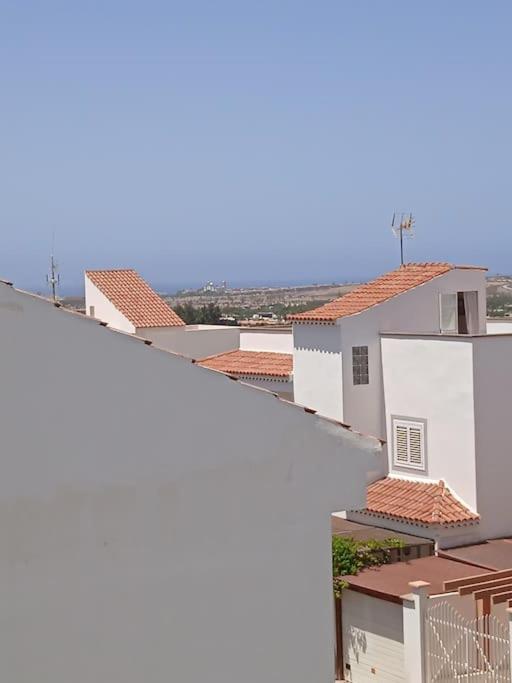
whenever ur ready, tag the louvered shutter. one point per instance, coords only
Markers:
(401, 449)
(409, 444)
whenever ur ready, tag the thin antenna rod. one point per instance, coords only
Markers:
(402, 226)
(53, 278)
(401, 245)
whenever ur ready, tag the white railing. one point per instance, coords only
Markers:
(459, 649)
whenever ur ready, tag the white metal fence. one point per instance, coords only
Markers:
(465, 650)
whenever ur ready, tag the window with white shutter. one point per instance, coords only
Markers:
(409, 444)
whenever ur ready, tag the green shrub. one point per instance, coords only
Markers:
(350, 556)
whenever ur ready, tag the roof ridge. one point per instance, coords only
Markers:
(112, 270)
(438, 496)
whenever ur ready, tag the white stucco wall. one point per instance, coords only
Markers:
(194, 341)
(373, 639)
(104, 309)
(499, 325)
(431, 379)
(139, 541)
(257, 339)
(493, 391)
(317, 369)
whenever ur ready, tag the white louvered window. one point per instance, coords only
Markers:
(409, 444)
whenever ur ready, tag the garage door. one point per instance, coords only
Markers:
(373, 644)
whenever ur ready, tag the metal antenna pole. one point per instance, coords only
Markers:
(53, 278)
(402, 225)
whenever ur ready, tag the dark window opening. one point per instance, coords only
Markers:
(461, 314)
(360, 365)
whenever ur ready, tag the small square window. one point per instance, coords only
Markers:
(360, 365)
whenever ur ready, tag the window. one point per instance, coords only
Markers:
(409, 444)
(91, 311)
(448, 304)
(459, 313)
(360, 365)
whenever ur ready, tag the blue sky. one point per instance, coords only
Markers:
(250, 140)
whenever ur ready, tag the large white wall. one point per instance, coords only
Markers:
(139, 541)
(194, 341)
(317, 369)
(104, 309)
(493, 392)
(266, 339)
(431, 379)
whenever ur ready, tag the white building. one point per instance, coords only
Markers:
(123, 300)
(407, 358)
(144, 536)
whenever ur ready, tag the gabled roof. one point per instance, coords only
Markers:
(134, 298)
(254, 363)
(377, 291)
(417, 502)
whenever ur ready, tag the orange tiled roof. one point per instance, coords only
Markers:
(257, 363)
(375, 292)
(415, 501)
(134, 298)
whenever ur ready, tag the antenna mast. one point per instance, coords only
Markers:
(53, 277)
(402, 226)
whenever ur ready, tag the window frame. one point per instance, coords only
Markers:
(408, 423)
(361, 369)
(459, 299)
(444, 296)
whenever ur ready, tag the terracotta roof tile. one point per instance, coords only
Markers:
(375, 292)
(134, 298)
(415, 501)
(257, 363)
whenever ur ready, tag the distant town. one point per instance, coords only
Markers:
(270, 305)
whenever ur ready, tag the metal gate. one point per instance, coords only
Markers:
(465, 650)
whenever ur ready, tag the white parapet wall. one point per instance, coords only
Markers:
(499, 325)
(278, 340)
(140, 540)
(194, 341)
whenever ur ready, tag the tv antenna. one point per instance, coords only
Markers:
(53, 277)
(402, 226)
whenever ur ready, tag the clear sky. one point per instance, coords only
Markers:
(253, 141)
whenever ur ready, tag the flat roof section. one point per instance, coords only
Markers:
(391, 581)
(492, 555)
